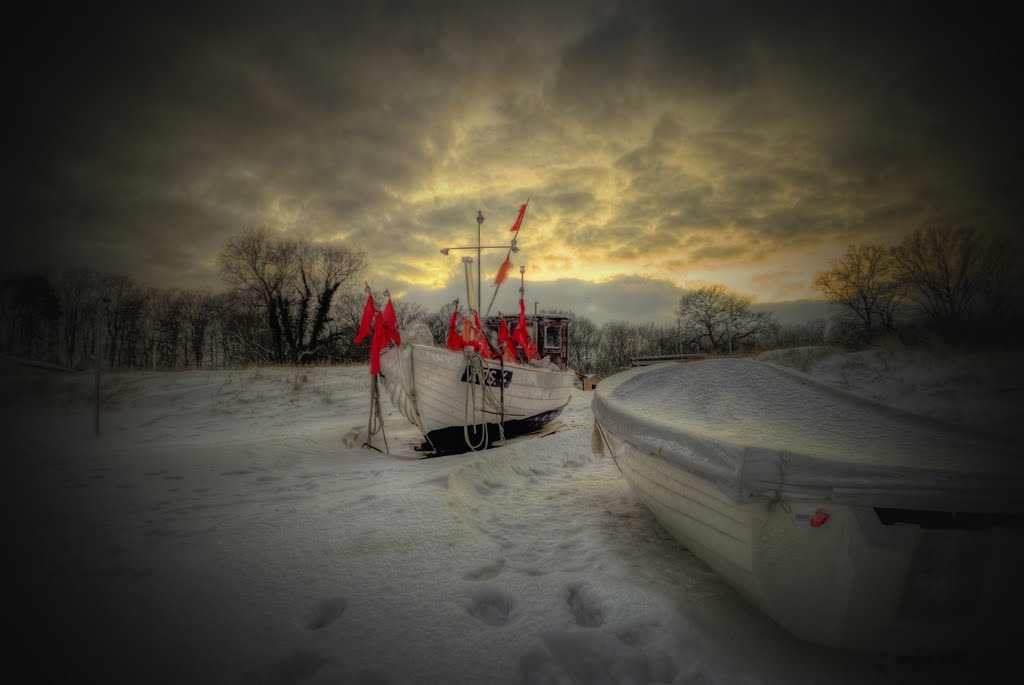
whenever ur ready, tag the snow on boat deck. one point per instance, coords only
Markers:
(732, 420)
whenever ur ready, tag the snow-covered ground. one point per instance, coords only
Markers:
(226, 527)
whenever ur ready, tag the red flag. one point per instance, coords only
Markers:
(503, 271)
(520, 334)
(481, 343)
(519, 221)
(392, 323)
(455, 341)
(504, 338)
(364, 324)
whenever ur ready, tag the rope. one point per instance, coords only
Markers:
(475, 377)
(501, 418)
(488, 395)
(604, 441)
(375, 424)
(779, 499)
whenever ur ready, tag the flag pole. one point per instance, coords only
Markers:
(508, 254)
(497, 287)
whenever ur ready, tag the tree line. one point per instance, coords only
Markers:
(295, 301)
(952, 283)
(282, 304)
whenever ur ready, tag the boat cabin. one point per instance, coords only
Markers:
(550, 332)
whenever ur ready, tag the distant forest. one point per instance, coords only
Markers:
(294, 301)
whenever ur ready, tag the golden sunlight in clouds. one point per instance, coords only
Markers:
(667, 143)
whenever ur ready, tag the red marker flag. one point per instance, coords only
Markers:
(504, 337)
(519, 221)
(503, 270)
(455, 341)
(520, 334)
(364, 325)
(482, 344)
(392, 323)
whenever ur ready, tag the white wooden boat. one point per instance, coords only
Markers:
(460, 401)
(851, 524)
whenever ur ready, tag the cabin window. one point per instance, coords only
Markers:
(552, 337)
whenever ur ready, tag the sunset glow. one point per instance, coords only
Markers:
(658, 143)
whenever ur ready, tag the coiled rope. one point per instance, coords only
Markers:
(475, 377)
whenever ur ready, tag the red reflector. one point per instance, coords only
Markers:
(819, 518)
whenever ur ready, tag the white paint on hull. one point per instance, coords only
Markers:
(853, 582)
(425, 384)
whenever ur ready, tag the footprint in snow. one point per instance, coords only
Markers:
(491, 607)
(295, 667)
(325, 612)
(584, 606)
(485, 572)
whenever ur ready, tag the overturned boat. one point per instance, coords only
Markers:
(851, 524)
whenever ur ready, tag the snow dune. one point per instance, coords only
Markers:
(226, 527)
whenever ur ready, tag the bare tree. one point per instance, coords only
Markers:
(200, 310)
(296, 280)
(438, 321)
(243, 332)
(408, 312)
(584, 339)
(304, 304)
(124, 308)
(865, 283)
(262, 262)
(944, 269)
(76, 289)
(29, 312)
(711, 319)
(619, 343)
(1002, 286)
(169, 307)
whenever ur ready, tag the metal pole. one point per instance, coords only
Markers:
(479, 263)
(536, 325)
(98, 354)
(469, 287)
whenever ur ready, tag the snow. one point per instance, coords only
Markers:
(227, 527)
(737, 421)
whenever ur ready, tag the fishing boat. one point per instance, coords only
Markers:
(461, 401)
(851, 524)
(486, 385)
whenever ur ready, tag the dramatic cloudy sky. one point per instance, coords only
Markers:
(663, 145)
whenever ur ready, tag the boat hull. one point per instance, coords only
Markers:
(860, 580)
(462, 402)
(849, 524)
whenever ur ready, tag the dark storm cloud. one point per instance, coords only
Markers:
(685, 131)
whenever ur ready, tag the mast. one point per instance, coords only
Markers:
(479, 262)
(467, 261)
